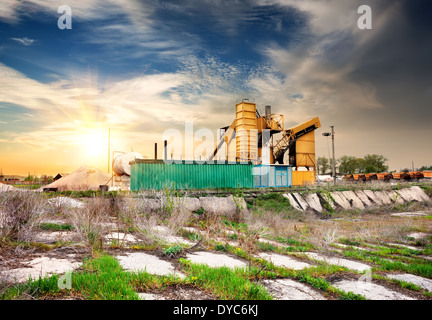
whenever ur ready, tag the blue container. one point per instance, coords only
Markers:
(272, 176)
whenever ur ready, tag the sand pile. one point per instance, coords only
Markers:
(85, 178)
(6, 187)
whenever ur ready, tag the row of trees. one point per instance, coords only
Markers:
(425, 168)
(370, 163)
(43, 178)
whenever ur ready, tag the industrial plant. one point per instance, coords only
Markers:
(253, 151)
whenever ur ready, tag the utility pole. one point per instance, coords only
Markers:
(334, 158)
(109, 143)
(326, 134)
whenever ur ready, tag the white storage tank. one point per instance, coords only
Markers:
(121, 164)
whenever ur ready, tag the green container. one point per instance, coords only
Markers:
(157, 176)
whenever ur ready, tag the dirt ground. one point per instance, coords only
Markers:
(384, 229)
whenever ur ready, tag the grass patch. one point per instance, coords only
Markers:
(239, 226)
(313, 276)
(295, 245)
(273, 202)
(56, 227)
(350, 242)
(101, 278)
(172, 251)
(410, 265)
(226, 283)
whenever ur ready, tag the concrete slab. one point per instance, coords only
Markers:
(328, 199)
(339, 261)
(164, 234)
(181, 203)
(341, 245)
(404, 246)
(418, 281)
(187, 203)
(214, 260)
(383, 197)
(283, 261)
(150, 296)
(303, 204)
(293, 201)
(364, 198)
(420, 193)
(370, 291)
(120, 236)
(192, 229)
(140, 261)
(374, 198)
(353, 199)
(287, 289)
(151, 204)
(413, 194)
(66, 202)
(50, 237)
(418, 235)
(219, 205)
(406, 195)
(409, 214)
(341, 200)
(313, 202)
(273, 243)
(41, 267)
(395, 197)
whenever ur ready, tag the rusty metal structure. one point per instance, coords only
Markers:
(244, 141)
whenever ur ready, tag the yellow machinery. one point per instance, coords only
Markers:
(247, 129)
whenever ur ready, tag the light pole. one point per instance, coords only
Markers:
(109, 145)
(327, 134)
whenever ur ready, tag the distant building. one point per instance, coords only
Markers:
(60, 175)
(11, 179)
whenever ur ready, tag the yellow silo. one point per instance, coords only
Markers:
(246, 132)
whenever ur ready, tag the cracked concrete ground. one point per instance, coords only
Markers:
(140, 261)
(282, 289)
(371, 291)
(283, 261)
(287, 289)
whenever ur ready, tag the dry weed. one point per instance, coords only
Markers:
(91, 222)
(19, 214)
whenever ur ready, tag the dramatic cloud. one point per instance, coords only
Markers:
(24, 41)
(141, 67)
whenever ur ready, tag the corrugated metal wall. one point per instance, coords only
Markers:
(157, 176)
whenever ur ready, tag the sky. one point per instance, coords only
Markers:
(130, 70)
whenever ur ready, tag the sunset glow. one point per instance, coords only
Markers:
(143, 67)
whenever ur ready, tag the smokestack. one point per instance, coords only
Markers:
(165, 150)
(267, 111)
(155, 151)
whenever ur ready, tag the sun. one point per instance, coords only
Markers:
(93, 142)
